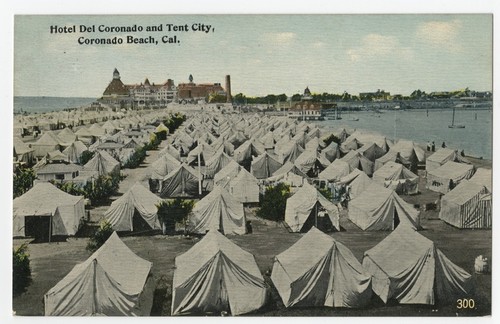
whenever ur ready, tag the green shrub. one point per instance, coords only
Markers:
(273, 202)
(174, 121)
(155, 141)
(136, 159)
(21, 271)
(174, 211)
(326, 193)
(102, 188)
(23, 181)
(69, 187)
(100, 236)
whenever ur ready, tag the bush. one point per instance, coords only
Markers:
(136, 159)
(273, 203)
(21, 271)
(326, 193)
(102, 188)
(174, 211)
(100, 236)
(155, 141)
(23, 181)
(174, 121)
(69, 187)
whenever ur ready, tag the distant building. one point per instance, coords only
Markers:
(306, 109)
(138, 95)
(193, 92)
(149, 94)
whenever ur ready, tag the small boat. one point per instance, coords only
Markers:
(354, 119)
(453, 125)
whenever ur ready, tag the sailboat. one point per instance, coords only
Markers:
(453, 125)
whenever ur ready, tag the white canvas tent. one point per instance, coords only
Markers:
(357, 181)
(467, 206)
(357, 160)
(216, 275)
(447, 176)
(244, 187)
(335, 171)
(74, 151)
(181, 182)
(165, 164)
(398, 178)
(441, 156)
(62, 212)
(218, 161)
(22, 151)
(407, 267)
(137, 199)
(109, 283)
(379, 209)
(264, 166)
(319, 271)
(311, 162)
(48, 142)
(303, 211)
(393, 156)
(483, 177)
(103, 163)
(218, 210)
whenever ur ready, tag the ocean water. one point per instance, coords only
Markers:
(419, 126)
(47, 104)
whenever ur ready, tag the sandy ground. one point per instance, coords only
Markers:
(50, 262)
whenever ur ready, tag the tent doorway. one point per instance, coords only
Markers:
(139, 224)
(38, 227)
(395, 219)
(318, 218)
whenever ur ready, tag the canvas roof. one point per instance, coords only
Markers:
(109, 282)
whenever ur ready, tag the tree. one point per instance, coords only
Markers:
(239, 98)
(21, 271)
(174, 211)
(101, 188)
(86, 156)
(100, 236)
(216, 98)
(273, 203)
(23, 181)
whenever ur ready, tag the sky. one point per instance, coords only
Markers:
(264, 54)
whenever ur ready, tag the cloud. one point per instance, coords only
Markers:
(283, 38)
(376, 46)
(440, 33)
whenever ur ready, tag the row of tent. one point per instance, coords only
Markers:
(77, 117)
(373, 207)
(266, 155)
(216, 276)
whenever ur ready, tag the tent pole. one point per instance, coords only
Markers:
(199, 171)
(316, 218)
(50, 226)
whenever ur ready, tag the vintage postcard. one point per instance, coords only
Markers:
(252, 165)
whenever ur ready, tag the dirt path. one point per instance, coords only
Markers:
(139, 174)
